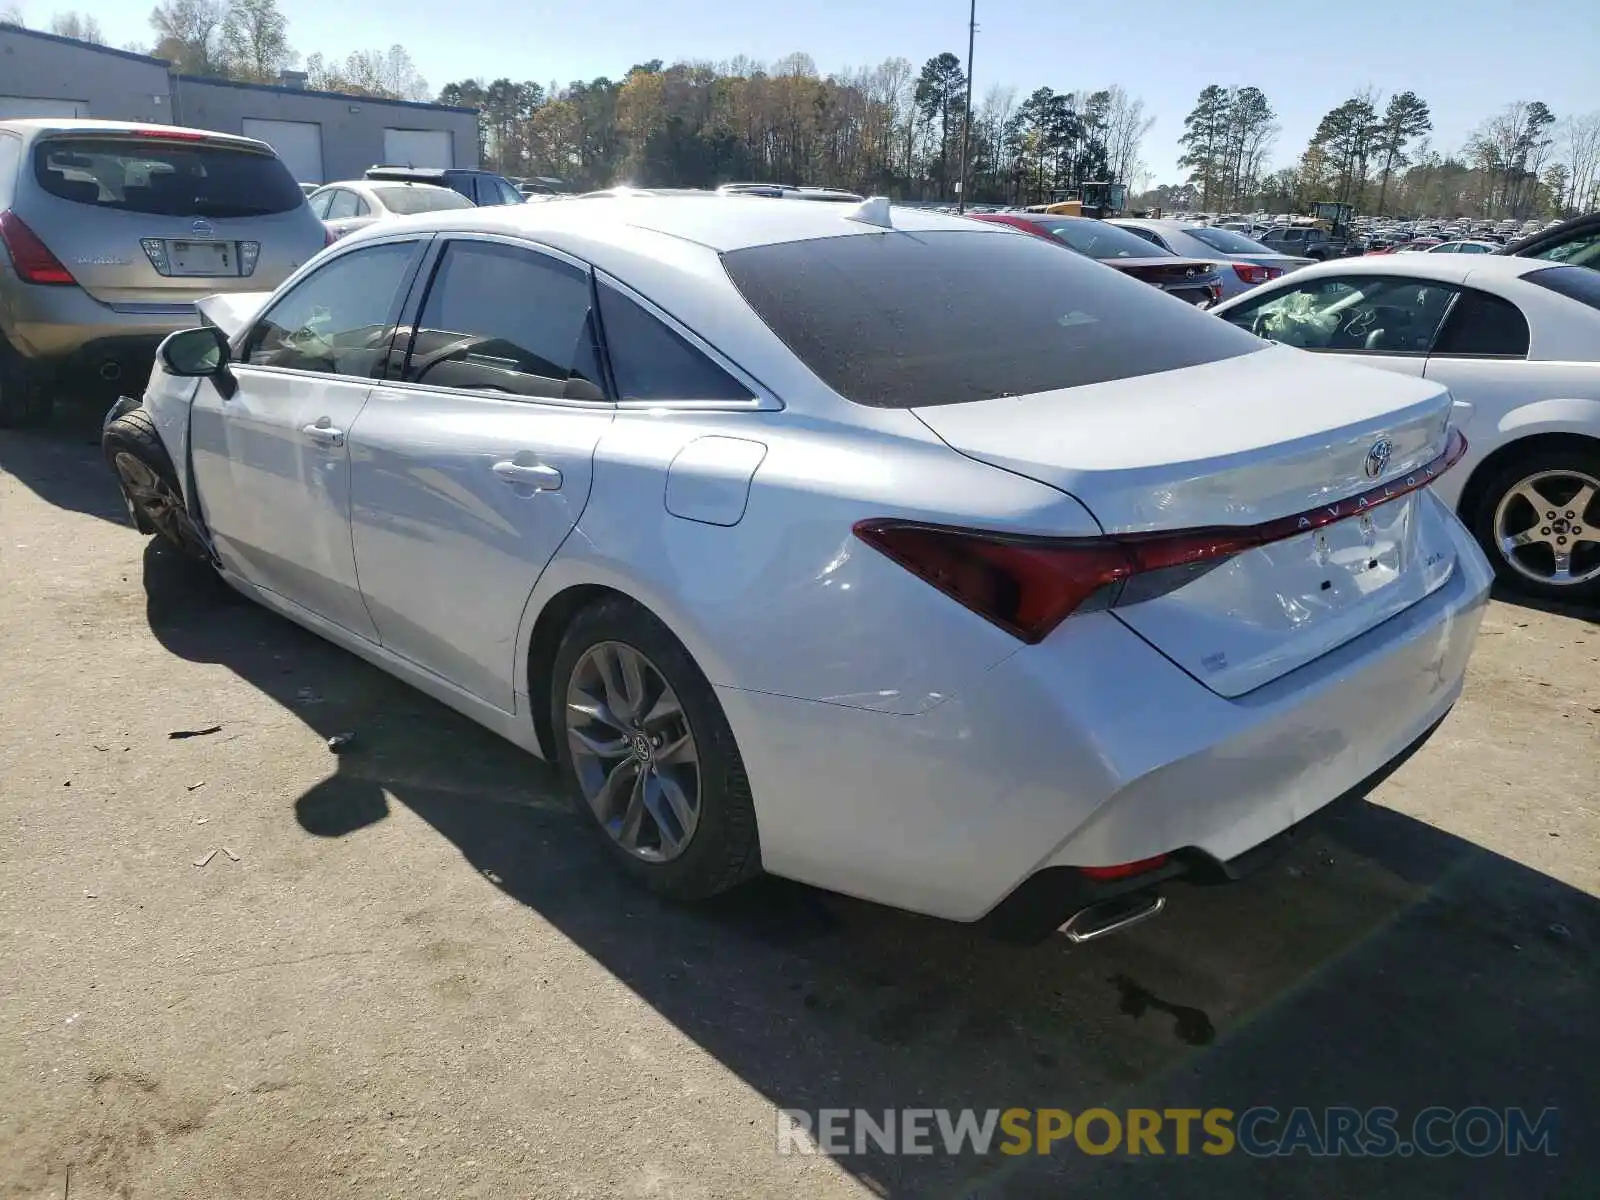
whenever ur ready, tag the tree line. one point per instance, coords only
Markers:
(889, 129)
(900, 130)
(1376, 155)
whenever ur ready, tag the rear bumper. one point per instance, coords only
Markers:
(1092, 749)
(60, 327)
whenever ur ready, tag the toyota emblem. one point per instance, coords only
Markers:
(202, 228)
(1378, 457)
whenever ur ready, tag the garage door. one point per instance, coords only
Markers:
(24, 106)
(298, 143)
(417, 148)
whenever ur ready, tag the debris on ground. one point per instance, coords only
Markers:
(193, 787)
(339, 741)
(208, 856)
(201, 820)
(230, 854)
(189, 733)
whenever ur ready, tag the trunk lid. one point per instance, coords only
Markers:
(156, 220)
(1166, 271)
(1237, 443)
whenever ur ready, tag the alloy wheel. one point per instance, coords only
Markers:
(1547, 528)
(148, 492)
(633, 751)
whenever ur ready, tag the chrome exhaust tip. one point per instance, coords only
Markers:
(1108, 916)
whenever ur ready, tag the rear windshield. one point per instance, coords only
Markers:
(1225, 240)
(1100, 240)
(420, 199)
(1575, 283)
(170, 179)
(903, 320)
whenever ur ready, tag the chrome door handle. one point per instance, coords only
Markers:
(533, 475)
(323, 433)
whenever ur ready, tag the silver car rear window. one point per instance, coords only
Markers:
(165, 178)
(903, 320)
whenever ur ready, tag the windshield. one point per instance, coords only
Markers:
(172, 179)
(906, 320)
(1226, 240)
(420, 199)
(1099, 240)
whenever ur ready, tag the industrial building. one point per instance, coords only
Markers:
(321, 136)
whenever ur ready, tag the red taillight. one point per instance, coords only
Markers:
(173, 135)
(31, 257)
(329, 237)
(1252, 274)
(1027, 585)
(1123, 870)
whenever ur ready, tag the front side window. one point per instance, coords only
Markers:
(165, 178)
(1382, 315)
(338, 320)
(651, 362)
(1580, 251)
(345, 203)
(1483, 326)
(498, 318)
(1149, 235)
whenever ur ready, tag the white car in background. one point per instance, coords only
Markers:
(1517, 342)
(896, 553)
(356, 203)
(1463, 247)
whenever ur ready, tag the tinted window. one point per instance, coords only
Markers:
(175, 179)
(419, 199)
(344, 204)
(1575, 283)
(1481, 324)
(1582, 250)
(1097, 239)
(651, 362)
(1225, 240)
(501, 319)
(898, 320)
(1349, 314)
(1149, 235)
(337, 320)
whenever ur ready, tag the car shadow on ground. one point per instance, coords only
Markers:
(61, 463)
(1383, 962)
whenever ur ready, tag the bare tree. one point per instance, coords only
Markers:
(1126, 127)
(80, 26)
(1580, 144)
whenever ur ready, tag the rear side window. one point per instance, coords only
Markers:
(420, 199)
(1575, 283)
(345, 204)
(1483, 326)
(901, 320)
(502, 319)
(169, 179)
(651, 362)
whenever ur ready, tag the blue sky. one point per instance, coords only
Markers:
(1467, 58)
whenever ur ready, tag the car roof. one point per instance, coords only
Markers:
(1445, 268)
(586, 225)
(26, 125)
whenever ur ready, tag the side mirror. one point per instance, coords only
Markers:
(195, 353)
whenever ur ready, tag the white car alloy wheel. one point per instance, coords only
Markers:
(633, 752)
(1547, 528)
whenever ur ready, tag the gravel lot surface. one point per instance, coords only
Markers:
(404, 970)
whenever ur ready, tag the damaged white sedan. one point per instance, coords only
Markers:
(881, 550)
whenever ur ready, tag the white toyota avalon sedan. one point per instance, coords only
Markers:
(886, 551)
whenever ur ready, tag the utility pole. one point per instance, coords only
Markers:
(966, 124)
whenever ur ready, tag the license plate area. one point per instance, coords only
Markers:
(202, 258)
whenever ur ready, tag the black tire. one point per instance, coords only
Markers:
(724, 849)
(134, 434)
(1574, 456)
(24, 402)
